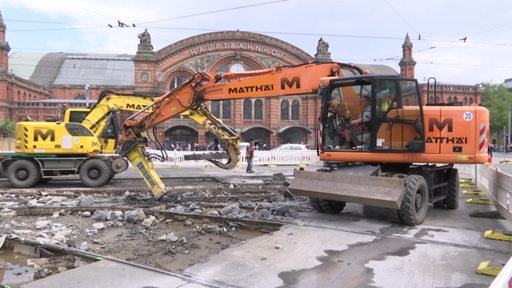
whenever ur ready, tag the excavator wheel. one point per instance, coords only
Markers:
(119, 165)
(95, 173)
(327, 206)
(452, 193)
(23, 173)
(413, 209)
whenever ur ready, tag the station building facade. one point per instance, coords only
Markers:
(40, 86)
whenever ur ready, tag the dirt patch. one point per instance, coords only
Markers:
(168, 234)
(166, 244)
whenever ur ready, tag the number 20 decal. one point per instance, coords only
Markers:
(468, 116)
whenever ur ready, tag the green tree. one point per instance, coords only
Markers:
(7, 128)
(497, 99)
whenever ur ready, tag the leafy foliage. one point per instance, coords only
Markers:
(7, 128)
(497, 99)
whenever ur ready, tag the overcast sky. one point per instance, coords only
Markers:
(361, 31)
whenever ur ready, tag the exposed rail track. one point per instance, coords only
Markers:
(206, 194)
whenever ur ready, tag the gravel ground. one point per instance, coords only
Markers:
(194, 231)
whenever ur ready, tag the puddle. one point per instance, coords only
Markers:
(24, 261)
(13, 269)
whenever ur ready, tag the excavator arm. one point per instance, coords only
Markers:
(101, 115)
(205, 118)
(102, 118)
(211, 86)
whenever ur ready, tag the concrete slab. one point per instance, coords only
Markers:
(266, 261)
(109, 274)
(429, 265)
(360, 247)
(363, 247)
(305, 256)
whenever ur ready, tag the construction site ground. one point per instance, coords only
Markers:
(280, 242)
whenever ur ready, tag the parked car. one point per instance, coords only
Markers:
(288, 147)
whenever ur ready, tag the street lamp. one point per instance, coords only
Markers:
(506, 144)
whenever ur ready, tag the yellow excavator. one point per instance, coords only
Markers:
(400, 156)
(84, 142)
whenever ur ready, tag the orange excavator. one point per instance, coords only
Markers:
(399, 155)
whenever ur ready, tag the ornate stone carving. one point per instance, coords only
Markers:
(322, 51)
(145, 38)
(144, 77)
(145, 48)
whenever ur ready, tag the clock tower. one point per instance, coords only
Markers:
(4, 47)
(407, 63)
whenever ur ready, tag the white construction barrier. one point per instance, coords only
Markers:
(269, 157)
(498, 187)
(503, 280)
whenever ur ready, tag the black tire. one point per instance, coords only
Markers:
(327, 206)
(23, 173)
(95, 173)
(452, 198)
(414, 207)
(452, 191)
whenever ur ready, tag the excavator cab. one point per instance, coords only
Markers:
(372, 114)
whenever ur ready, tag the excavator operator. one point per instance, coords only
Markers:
(359, 125)
(338, 121)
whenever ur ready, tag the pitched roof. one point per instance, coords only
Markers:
(59, 68)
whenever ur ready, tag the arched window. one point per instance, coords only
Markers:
(247, 106)
(226, 109)
(295, 110)
(285, 110)
(258, 109)
(215, 108)
(221, 109)
(177, 81)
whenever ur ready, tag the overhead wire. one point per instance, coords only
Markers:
(401, 17)
(213, 12)
(89, 26)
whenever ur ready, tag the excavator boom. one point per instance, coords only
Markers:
(208, 86)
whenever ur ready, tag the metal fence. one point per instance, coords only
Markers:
(495, 183)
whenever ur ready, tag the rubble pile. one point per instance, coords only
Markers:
(170, 235)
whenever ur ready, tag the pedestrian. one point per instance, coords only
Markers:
(249, 155)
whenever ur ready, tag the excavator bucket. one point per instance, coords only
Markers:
(232, 161)
(231, 155)
(146, 168)
(368, 190)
